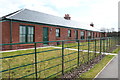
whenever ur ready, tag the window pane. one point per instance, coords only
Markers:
(92, 34)
(30, 30)
(22, 30)
(22, 34)
(22, 38)
(82, 33)
(69, 33)
(89, 34)
(30, 38)
(57, 32)
(30, 34)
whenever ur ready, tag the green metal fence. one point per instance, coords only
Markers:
(51, 61)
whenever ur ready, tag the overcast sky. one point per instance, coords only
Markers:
(103, 13)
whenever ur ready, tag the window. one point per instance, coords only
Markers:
(76, 34)
(26, 34)
(92, 34)
(98, 35)
(89, 35)
(57, 32)
(69, 33)
(82, 34)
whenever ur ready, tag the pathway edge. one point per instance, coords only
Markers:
(104, 67)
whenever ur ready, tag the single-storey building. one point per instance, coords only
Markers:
(31, 26)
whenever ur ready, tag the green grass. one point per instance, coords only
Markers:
(97, 68)
(8, 63)
(70, 59)
(84, 45)
(116, 50)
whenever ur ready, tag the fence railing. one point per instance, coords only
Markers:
(50, 61)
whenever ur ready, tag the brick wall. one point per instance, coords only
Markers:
(0, 35)
(38, 34)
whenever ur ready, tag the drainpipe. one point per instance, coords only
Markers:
(10, 33)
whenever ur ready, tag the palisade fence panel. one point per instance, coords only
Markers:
(51, 58)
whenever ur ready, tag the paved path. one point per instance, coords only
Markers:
(59, 48)
(86, 51)
(111, 70)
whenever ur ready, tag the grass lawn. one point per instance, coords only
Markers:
(84, 45)
(116, 50)
(49, 62)
(97, 68)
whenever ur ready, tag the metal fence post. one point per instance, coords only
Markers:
(95, 47)
(88, 50)
(109, 43)
(100, 45)
(78, 53)
(104, 45)
(35, 60)
(62, 57)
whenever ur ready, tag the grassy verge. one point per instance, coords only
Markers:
(47, 58)
(97, 68)
(83, 45)
(49, 61)
(116, 50)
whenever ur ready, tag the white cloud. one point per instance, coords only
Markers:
(14, 5)
(65, 3)
(106, 13)
(103, 13)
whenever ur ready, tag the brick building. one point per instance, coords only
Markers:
(31, 26)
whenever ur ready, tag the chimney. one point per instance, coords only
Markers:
(92, 24)
(67, 17)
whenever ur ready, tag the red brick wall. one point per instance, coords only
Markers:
(0, 35)
(5, 32)
(38, 33)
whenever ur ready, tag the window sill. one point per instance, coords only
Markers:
(57, 37)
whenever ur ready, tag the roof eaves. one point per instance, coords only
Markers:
(52, 25)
